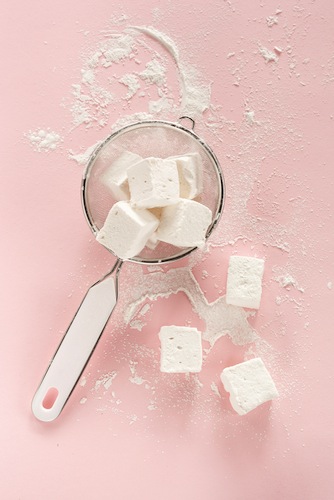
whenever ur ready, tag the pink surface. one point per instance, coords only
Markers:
(168, 438)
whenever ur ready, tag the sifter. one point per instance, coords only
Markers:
(146, 138)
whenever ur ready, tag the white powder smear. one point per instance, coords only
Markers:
(82, 158)
(220, 318)
(135, 378)
(250, 118)
(131, 81)
(105, 381)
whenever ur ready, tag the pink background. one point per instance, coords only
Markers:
(190, 446)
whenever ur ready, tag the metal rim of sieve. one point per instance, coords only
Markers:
(154, 123)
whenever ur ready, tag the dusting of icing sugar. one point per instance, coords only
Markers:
(135, 378)
(44, 139)
(195, 96)
(268, 55)
(215, 389)
(330, 285)
(154, 73)
(82, 158)
(271, 21)
(132, 82)
(220, 318)
(105, 381)
(96, 94)
(250, 118)
(91, 105)
(286, 280)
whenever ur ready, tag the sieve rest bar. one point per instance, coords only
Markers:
(75, 349)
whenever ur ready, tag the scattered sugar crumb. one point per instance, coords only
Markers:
(152, 406)
(144, 309)
(330, 285)
(83, 401)
(271, 20)
(215, 389)
(205, 274)
(105, 381)
(287, 281)
(83, 381)
(135, 378)
(154, 73)
(250, 118)
(230, 54)
(136, 324)
(197, 381)
(268, 55)
(133, 419)
(44, 140)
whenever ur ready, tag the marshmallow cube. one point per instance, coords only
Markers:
(115, 177)
(249, 385)
(184, 224)
(244, 282)
(126, 229)
(153, 241)
(181, 349)
(190, 174)
(153, 182)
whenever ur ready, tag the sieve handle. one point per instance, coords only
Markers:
(76, 348)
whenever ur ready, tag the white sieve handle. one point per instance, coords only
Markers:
(76, 348)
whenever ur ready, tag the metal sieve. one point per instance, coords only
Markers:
(147, 138)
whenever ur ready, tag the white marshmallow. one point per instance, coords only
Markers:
(190, 174)
(153, 241)
(184, 224)
(154, 182)
(181, 349)
(244, 281)
(115, 177)
(249, 385)
(127, 229)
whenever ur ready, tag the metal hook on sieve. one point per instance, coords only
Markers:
(192, 121)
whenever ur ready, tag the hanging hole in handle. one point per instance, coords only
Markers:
(187, 118)
(50, 398)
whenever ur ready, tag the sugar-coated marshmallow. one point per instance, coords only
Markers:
(184, 224)
(153, 182)
(244, 281)
(190, 174)
(127, 229)
(181, 349)
(249, 384)
(115, 177)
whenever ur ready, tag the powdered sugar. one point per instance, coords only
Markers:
(44, 139)
(268, 55)
(92, 104)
